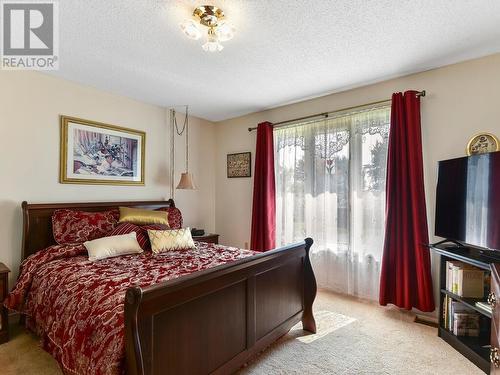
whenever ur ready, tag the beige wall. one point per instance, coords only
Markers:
(30, 105)
(462, 100)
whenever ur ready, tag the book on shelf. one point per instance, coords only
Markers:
(456, 307)
(460, 319)
(466, 324)
(464, 280)
(445, 311)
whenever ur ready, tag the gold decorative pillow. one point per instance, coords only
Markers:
(173, 239)
(143, 217)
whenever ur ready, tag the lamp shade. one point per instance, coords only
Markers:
(186, 181)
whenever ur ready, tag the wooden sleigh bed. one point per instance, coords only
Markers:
(210, 321)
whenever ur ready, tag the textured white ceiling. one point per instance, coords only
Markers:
(283, 51)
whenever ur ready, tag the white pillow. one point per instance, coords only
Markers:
(113, 246)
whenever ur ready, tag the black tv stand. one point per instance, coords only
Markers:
(476, 349)
(488, 256)
(458, 244)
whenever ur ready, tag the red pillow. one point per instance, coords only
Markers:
(141, 232)
(174, 217)
(72, 226)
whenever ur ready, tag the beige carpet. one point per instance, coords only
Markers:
(353, 337)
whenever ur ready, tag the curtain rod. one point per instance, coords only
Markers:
(326, 114)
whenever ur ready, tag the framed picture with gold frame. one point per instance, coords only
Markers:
(96, 153)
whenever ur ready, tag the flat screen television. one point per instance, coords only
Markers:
(468, 200)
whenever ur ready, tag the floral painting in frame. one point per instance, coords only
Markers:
(97, 153)
(239, 165)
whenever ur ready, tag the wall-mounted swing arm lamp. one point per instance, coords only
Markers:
(186, 182)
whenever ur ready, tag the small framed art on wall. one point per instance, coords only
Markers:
(239, 165)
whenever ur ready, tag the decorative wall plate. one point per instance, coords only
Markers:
(483, 143)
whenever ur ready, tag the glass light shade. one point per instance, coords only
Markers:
(225, 31)
(186, 182)
(191, 29)
(212, 47)
(212, 44)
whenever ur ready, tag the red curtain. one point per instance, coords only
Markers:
(406, 274)
(264, 193)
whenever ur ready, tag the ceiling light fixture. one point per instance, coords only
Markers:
(219, 30)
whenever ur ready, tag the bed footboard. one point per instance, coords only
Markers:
(213, 321)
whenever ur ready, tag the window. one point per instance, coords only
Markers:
(330, 185)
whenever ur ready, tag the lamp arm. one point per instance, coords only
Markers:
(172, 153)
(185, 128)
(187, 140)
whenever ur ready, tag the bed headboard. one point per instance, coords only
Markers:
(37, 219)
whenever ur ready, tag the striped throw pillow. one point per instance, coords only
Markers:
(140, 231)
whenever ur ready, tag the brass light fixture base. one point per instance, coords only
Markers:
(208, 15)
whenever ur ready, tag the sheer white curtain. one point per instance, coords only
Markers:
(330, 185)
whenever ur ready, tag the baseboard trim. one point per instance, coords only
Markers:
(427, 320)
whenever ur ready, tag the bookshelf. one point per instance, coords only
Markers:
(469, 302)
(476, 349)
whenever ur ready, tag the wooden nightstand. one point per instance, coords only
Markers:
(209, 238)
(4, 289)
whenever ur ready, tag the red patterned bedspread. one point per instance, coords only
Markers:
(77, 306)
